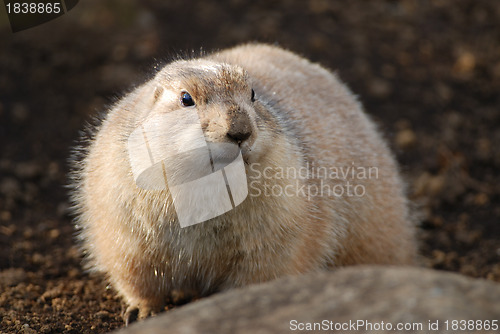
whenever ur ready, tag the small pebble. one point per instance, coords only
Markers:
(12, 276)
(406, 139)
(465, 63)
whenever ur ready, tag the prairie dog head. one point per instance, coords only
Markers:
(224, 100)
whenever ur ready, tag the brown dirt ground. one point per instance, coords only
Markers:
(427, 71)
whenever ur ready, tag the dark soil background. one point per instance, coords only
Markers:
(427, 71)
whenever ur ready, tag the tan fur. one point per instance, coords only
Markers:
(303, 116)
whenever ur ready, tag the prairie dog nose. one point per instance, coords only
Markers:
(239, 127)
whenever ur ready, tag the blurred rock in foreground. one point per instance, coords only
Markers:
(362, 299)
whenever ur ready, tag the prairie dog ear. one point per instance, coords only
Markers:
(143, 101)
(157, 94)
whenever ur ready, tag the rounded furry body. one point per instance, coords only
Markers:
(303, 118)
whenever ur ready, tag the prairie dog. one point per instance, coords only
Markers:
(304, 140)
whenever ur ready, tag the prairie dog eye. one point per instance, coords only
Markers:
(253, 96)
(187, 99)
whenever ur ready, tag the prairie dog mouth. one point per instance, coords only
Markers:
(222, 154)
